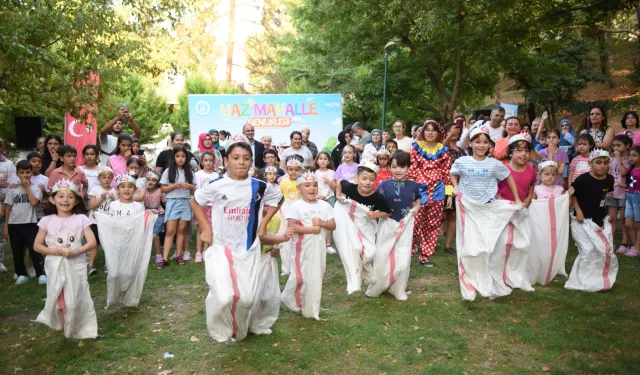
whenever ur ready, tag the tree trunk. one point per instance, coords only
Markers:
(531, 112)
(231, 40)
(605, 67)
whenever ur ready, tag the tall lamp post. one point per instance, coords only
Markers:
(387, 49)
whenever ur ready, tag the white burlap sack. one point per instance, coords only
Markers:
(549, 225)
(355, 238)
(67, 280)
(286, 248)
(268, 307)
(392, 261)
(303, 290)
(127, 243)
(596, 266)
(511, 256)
(481, 242)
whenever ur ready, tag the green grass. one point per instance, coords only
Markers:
(551, 330)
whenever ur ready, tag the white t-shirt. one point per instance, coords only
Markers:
(106, 204)
(107, 146)
(7, 174)
(323, 188)
(177, 192)
(202, 178)
(404, 144)
(92, 176)
(494, 133)
(305, 212)
(306, 154)
(237, 209)
(22, 212)
(119, 209)
(479, 179)
(38, 180)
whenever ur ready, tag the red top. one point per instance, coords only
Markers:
(383, 174)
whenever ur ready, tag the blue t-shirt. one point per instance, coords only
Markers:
(400, 196)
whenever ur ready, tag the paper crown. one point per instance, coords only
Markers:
(152, 174)
(270, 168)
(307, 177)
(383, 151)
(547, 163)
(477, 131)
(125, 178)
(105, 170)
(520, 137)
(293, 162)
(64, 184)
(369, 165)
(598, 153)
(235, 139)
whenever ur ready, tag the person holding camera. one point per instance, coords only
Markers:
(109, 133)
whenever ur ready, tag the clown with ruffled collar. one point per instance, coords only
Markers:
(430, 166)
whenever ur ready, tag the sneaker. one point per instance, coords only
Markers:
(331, 250)
(632, 252)
(22, 280)
(426, 263)
(158, 258)
(162, 264)
(180, 261)
(198, 257)
(186, 255)
(91, 270)
(31, 272)
(42, 280)
(3, 269)
(622, 249)
(106, 270)
(449, 250)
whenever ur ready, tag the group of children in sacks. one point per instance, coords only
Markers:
(372, 232)
(522, 238)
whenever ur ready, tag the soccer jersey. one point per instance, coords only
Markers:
(237, 209)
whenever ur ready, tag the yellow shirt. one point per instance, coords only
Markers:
(289, 188)
(272, 229)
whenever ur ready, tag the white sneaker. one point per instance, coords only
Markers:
(42, 280)
(3, 269)
(186, 255)
(22, 280)
(31, 272)
(331, 250)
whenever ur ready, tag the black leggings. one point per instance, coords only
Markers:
(22, 235)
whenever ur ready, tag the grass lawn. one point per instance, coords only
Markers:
(551, 330)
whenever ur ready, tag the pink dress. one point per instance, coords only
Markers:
(542, 192)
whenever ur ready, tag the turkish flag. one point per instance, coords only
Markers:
(77, 133)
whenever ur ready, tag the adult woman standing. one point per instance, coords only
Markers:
(630, 123)
(51, 159)
(297, 149)
(162, 162)
(595, 124)
(215, 140)
(568, 135)
(404, 142)
(205, 143)
(344, 138)
(511, 128)
(430, 167)
(372, 149)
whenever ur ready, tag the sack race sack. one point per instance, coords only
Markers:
(596, 266)
(268, 307)
(303, 291)
(286, 248)
(392, 260)
(511, 256)
(355, 238)
(127, 243)
(549, 225)
(69, 306)
(482, 238)
(240, 284)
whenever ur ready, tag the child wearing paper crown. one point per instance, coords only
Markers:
(68, 306)
(310, 218)
(523, 173)
(592, 189)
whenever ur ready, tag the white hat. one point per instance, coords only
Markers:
(477, 131)
(125, 178)
(520, 137)
(598, 153)
(64, 184)
(369, 165)
(547, 163)
(294, 162)
(270, 168)
(105, 169)
(307, 177)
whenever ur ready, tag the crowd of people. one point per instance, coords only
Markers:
(243, 194)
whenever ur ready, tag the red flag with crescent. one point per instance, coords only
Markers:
(78, 133)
